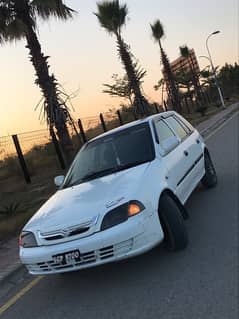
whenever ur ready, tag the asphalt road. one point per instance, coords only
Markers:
(200, 282)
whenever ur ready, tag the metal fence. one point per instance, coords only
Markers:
(7, 148)
(38, 152)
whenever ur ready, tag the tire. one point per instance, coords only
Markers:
(175, 233)
(209, 179)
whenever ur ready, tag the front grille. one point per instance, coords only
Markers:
(56, 236)
(90, 257)
(63, 234)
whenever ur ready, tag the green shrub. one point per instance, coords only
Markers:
(11, 209)
(10, 167)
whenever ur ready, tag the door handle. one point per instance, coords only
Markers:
(185, 153)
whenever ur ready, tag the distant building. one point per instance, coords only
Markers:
(184, 65)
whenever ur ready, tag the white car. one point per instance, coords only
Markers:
(123, 194)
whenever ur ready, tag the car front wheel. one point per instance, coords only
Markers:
(175, 233)
(209, 179)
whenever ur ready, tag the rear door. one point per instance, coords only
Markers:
(173, 160)
(190, 150)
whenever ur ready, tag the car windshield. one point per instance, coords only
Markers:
(111, 153)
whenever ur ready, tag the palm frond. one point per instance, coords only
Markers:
(51, 8)
(111, 15)
(160, 83)
(184, 51)
(140, 72)
(15, 30)
(205, 73)
(157, 30)
(5, 19)
(5, 15)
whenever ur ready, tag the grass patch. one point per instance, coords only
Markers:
(21, 204)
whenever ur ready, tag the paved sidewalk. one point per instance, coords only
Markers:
(9, 260)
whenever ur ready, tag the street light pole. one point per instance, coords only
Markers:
(213, 69)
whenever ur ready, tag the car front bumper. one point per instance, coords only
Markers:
(136, 236)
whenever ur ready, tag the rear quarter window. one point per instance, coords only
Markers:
(186, 125)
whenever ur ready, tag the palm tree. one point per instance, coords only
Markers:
(208, 83)
(158, 34)
(112, 17)
(184, 80)
(18, 20)
(185, 53)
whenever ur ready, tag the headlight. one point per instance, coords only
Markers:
(27, 239)
(121, 213)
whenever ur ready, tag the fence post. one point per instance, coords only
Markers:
(103, 122)
(82, 132)
(21, 159)
(165, 105)
(156, 108)
(57, 149)
(120, 117)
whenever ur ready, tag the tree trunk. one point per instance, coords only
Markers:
(186, 103)
(208, 94)
(56, 112)
(130, 100)
(190, 95)
(187, 83)
(172, 88)
(141, 105)
(196, 82)
(162, 97)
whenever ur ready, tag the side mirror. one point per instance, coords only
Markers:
(169, 144)
(58, 180)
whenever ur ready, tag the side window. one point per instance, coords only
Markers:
(163, 131)
(177, 127)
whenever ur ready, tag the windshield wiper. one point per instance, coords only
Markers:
(99, 173)
(129, 165)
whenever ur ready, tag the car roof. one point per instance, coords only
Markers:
(134, 123)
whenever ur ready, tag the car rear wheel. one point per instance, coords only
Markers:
(175, 233)
(209, 179)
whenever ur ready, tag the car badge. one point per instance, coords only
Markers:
(65, 233)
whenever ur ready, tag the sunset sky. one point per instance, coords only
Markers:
(83, 55)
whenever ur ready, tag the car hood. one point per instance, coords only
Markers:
(81, 203)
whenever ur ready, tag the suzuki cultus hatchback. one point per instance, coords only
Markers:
(123, 194)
